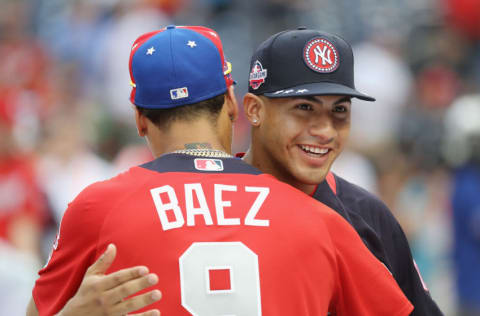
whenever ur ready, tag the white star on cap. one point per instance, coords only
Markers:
(150, 51)
(288, 91)
(302, 91)
(192, 44)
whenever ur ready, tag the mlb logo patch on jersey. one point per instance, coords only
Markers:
(257, 75)
(204, 164)
(179, 93)
(320, 55)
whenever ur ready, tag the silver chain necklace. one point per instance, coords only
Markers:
(205, 152)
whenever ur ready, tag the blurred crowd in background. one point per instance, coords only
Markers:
(66, 121)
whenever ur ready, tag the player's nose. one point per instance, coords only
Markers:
(323, 129)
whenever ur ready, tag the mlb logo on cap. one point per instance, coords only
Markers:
(179, 93)
(177, 66)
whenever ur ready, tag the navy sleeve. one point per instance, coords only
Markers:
(395, 244)
(369, 236)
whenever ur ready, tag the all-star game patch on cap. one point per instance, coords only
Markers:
(176, 66)
(303, 62)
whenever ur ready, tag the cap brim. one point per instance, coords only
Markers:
(318, 88)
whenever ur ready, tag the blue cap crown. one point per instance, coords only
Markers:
(177, 66)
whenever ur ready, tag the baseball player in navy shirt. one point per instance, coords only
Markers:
(299, 102)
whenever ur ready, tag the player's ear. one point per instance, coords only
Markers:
(253, 107)
(140, 122)
(231, 103)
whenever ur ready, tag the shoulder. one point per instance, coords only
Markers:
(351, 191)
(86, 213)
(102, 192)
(361, 201)
(316, 212)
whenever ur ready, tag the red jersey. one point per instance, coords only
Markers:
(224, 239)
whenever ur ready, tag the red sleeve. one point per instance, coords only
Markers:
(366, 285)
(73, 252)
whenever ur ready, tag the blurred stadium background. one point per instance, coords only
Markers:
(65, 118)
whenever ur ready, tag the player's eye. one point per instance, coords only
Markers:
(304, 107)
(340, 109)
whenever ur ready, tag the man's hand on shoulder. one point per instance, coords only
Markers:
(101, 294)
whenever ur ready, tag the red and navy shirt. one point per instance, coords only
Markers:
(381, 233)
(224, 239)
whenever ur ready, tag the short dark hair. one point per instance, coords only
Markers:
(162, 118)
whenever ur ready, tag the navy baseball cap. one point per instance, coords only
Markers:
(303, 62)
(176, 66)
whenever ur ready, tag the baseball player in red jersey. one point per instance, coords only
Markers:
(223, 238)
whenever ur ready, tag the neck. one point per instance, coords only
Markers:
(180, 135)
(304, 187)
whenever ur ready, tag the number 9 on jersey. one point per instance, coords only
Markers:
(220, 279)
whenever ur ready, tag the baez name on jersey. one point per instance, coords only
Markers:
(195, 205)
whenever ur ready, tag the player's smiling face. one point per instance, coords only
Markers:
(300, 138)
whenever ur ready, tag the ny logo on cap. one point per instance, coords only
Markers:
(320, 55)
